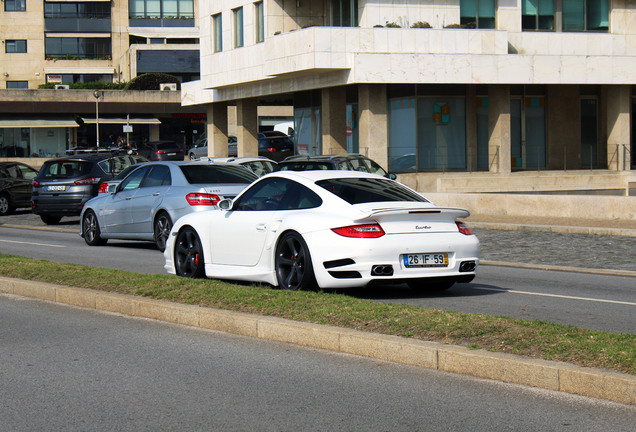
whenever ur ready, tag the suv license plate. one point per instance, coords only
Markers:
(56, 188)
(426, 260)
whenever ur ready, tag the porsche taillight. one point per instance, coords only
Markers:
(202, 199)
(463, 228)
(360, 231)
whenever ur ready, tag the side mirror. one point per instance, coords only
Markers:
(225, 204)
(392, 176)
(112, 188)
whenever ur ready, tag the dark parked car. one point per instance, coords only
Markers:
(200, 148)
(63, 185)
(15, 186)
(275, 145)
(348, 162)
(161, 151)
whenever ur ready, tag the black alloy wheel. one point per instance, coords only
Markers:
(163, 225)
(294, 270)
(188, 254)
(91, 231)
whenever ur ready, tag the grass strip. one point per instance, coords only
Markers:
(536, 339)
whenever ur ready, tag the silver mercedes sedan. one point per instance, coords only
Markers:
(146, 203)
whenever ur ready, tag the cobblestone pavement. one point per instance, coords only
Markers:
(572, 250)
(529, 247)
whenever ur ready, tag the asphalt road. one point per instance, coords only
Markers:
(597, 302)
(73, 369)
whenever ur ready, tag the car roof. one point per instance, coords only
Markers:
(86, 157)
(237, 159)
(314, 158)
(316, 175)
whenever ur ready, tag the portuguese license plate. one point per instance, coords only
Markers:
(172, 154)
(426, 260)
(56, 188)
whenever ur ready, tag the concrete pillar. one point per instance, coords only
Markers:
(563, 113)
(618, 127)
(499, 151)
(154, 133)
(217, 129)
(471, 128)
(334, 120)
(373, 125)
(247, 127)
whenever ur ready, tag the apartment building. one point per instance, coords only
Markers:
(450, 86)
(64, 42)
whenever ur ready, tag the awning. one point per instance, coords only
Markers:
(37, 122)
(165, 32)
(79, 69)
(118, 120)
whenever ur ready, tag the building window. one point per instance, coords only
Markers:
(477, 13)
(538, 15)
(77, 10)
(259, 21)
(589, 133)
(17, 84)
(15, 5)
(77, 48)
(343, 13)
(217, 32)
(15, 46)
(238, 27)
(161, 8)
(585, 15)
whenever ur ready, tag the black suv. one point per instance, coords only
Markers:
(63, 185)
(348, 162)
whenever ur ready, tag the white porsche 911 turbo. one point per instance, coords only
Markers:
(326, 229)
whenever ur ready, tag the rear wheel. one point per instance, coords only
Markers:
(5, 205)
(431, 284)
(91, 231)
(163, 225)
(293, 263)
(188, 254)
(51, 220)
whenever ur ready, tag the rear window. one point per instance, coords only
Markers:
(166, 145)
(65, 169)
(365, 190)
(224, 174)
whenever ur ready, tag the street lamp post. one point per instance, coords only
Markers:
(97, 95)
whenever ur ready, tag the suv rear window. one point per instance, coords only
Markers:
(166, 145)
(64, 169)
(224, 174)
(365, 190)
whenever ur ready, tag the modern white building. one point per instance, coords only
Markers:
(490, 88)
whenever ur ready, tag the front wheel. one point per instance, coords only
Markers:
(91, 231)
(294, 270)
(5, 205)
(163, 225)
(188, 254)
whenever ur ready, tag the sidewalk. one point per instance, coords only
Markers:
(625, 228)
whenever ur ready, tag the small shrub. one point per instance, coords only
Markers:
(151, 81)
(421, 24)
(392, 25)
(453, 26)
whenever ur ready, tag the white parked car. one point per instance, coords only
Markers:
(327, 229)
(145, 204)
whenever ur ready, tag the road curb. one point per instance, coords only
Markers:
(605, 272)
(557, 376)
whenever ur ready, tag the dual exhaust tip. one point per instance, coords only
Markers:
(387, 269)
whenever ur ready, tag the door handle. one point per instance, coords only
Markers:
(156, 194)
(261, 227)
